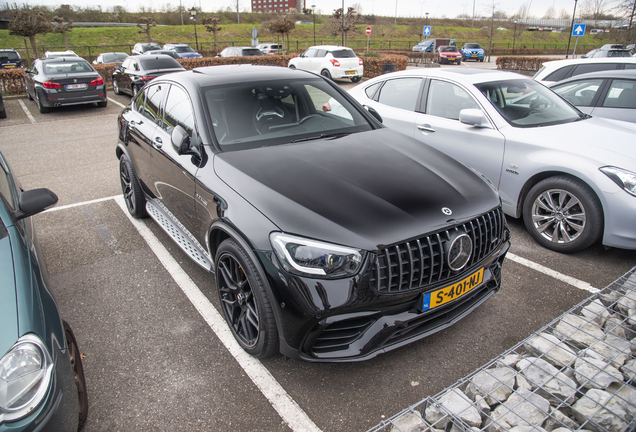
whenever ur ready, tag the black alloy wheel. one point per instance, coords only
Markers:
(41, 107)
(130, 187)
(28, 94)
(103, 104)
(78, 375)
(563, 214)
(244, 301)
(325, 73)
(355, 79)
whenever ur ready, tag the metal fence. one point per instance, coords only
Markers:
(577, 373)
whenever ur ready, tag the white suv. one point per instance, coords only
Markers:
(558, 70)
(330, 61)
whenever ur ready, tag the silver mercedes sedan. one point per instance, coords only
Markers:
(571, 176)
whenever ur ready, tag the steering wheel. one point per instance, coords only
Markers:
(302, 120)
(538, 104)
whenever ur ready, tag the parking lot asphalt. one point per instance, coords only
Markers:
(154, 360)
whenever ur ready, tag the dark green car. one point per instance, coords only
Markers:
(42, 384)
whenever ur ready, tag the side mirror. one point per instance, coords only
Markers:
(29, 71)
(473, 117)
(33, 202)
(118, 68)
(180, 140)
(374, 113)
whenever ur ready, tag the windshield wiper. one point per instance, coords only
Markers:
(321, 136)
(584, 116)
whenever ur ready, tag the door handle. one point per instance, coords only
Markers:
(425, 128)
(158, 142)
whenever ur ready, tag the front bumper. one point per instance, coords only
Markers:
(619, 211)
(58, 411)
(54, 98)
(472, 56)
(347, 320)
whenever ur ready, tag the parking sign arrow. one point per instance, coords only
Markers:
(427, 30)
(578, 30)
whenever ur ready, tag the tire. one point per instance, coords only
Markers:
(41, 107)
(355, 79)
(130, 187)
(3, 113)
(563, 214)
(116, 87)
(78, 375)
(29, 94)
(244, 301)
(481, 60)
(102, 104)
(325, 73)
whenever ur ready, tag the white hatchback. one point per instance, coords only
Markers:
(330, 61)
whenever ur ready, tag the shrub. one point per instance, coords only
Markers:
(522, 63)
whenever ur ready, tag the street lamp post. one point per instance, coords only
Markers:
(572, 28)
(426, 37)
(514, 37)
(193, 17)
(313, 17)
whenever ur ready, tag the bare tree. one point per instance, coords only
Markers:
(212, 25)
(550, 13)
(27, 23)
(348, 23)
(627, 10)
(145, 25)
(524, 11)
(282, 25)
(62, 28)
(333, 28)
(383, 30)
(594, 9)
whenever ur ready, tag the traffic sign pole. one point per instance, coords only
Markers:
(368, 34)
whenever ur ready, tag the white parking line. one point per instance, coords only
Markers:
(117, 103)
(286, 407)
(98, 200)
(26, 110)
(555, 274)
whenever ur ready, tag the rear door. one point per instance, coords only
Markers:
(619, 102)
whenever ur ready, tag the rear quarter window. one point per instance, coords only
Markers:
(559, 74)
(585, 68)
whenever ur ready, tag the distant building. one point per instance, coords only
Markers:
(276, 5)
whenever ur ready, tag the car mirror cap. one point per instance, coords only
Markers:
(473, 117)
(374, 113)
(180, 140)
(34, 201)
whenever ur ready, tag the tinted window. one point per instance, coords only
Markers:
(472, 45)
(154, 96)
(621, 94)
(630, 66)
(624, 53)
(178, 111)
(400, 93)
(8, 56)
(252, 52)
(343, 54)
(160, 63)
(447, 100)
(593, 67)
(181, 49)
(559, 74)
(579, 93)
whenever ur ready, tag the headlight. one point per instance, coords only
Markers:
(25, 376)
(623, 178)
(310, 257)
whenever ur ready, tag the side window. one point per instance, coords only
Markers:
(138, 102)
(400, 93)
(370, 91)
(310, 52)
(579, 93)
(178, 111)
(585, 68)
(559, 74)
(154, 96)
(321, 53)
(621, 94)
(447, 100)
(630, 65)
(5, 188)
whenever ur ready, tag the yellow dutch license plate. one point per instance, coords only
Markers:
(452, 292)
(451, 58)
(350, 72)
(9, 66)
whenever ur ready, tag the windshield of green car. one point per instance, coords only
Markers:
(527, 103)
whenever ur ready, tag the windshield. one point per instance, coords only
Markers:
(448, 48)
(9, 56)
(160, 63)
(621, 53)
(181, 49)
(527, 103)
(251, 52)
(343, 54)
(270, 113)
(112, 58)
(149, 47)
(473, 45)
(65, 67)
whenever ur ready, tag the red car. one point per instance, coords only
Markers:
(449, 54)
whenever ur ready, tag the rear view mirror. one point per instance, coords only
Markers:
(473, 117)
(374, 113)
(180, 140)
(33, 202)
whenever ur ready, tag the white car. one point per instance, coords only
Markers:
(270, 48)
(330, 61)
(558, 70)
(570, 176)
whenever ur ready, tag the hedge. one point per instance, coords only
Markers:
(12, 80)
(522, 63)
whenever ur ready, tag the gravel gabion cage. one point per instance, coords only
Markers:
(578, 373)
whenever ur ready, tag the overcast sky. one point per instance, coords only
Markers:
(405, 8)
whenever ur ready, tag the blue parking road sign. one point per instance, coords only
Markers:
(427, 30)
(578, 30)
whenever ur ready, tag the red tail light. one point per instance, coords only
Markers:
(146, 78)
(360, 62)
(335, 62)
(97, 81)
(51, 85)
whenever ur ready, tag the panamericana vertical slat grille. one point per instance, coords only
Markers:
(421, 262)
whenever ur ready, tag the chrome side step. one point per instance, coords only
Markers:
(181, 236)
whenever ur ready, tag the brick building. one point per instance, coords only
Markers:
(277, 5)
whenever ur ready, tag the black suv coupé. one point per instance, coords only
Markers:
(331, 236)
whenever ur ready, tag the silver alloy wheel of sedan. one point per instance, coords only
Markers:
(558, 216)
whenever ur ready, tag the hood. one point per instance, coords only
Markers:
(8, 306)
(587, 137)
(363, 190)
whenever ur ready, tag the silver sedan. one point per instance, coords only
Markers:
(570, 176)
